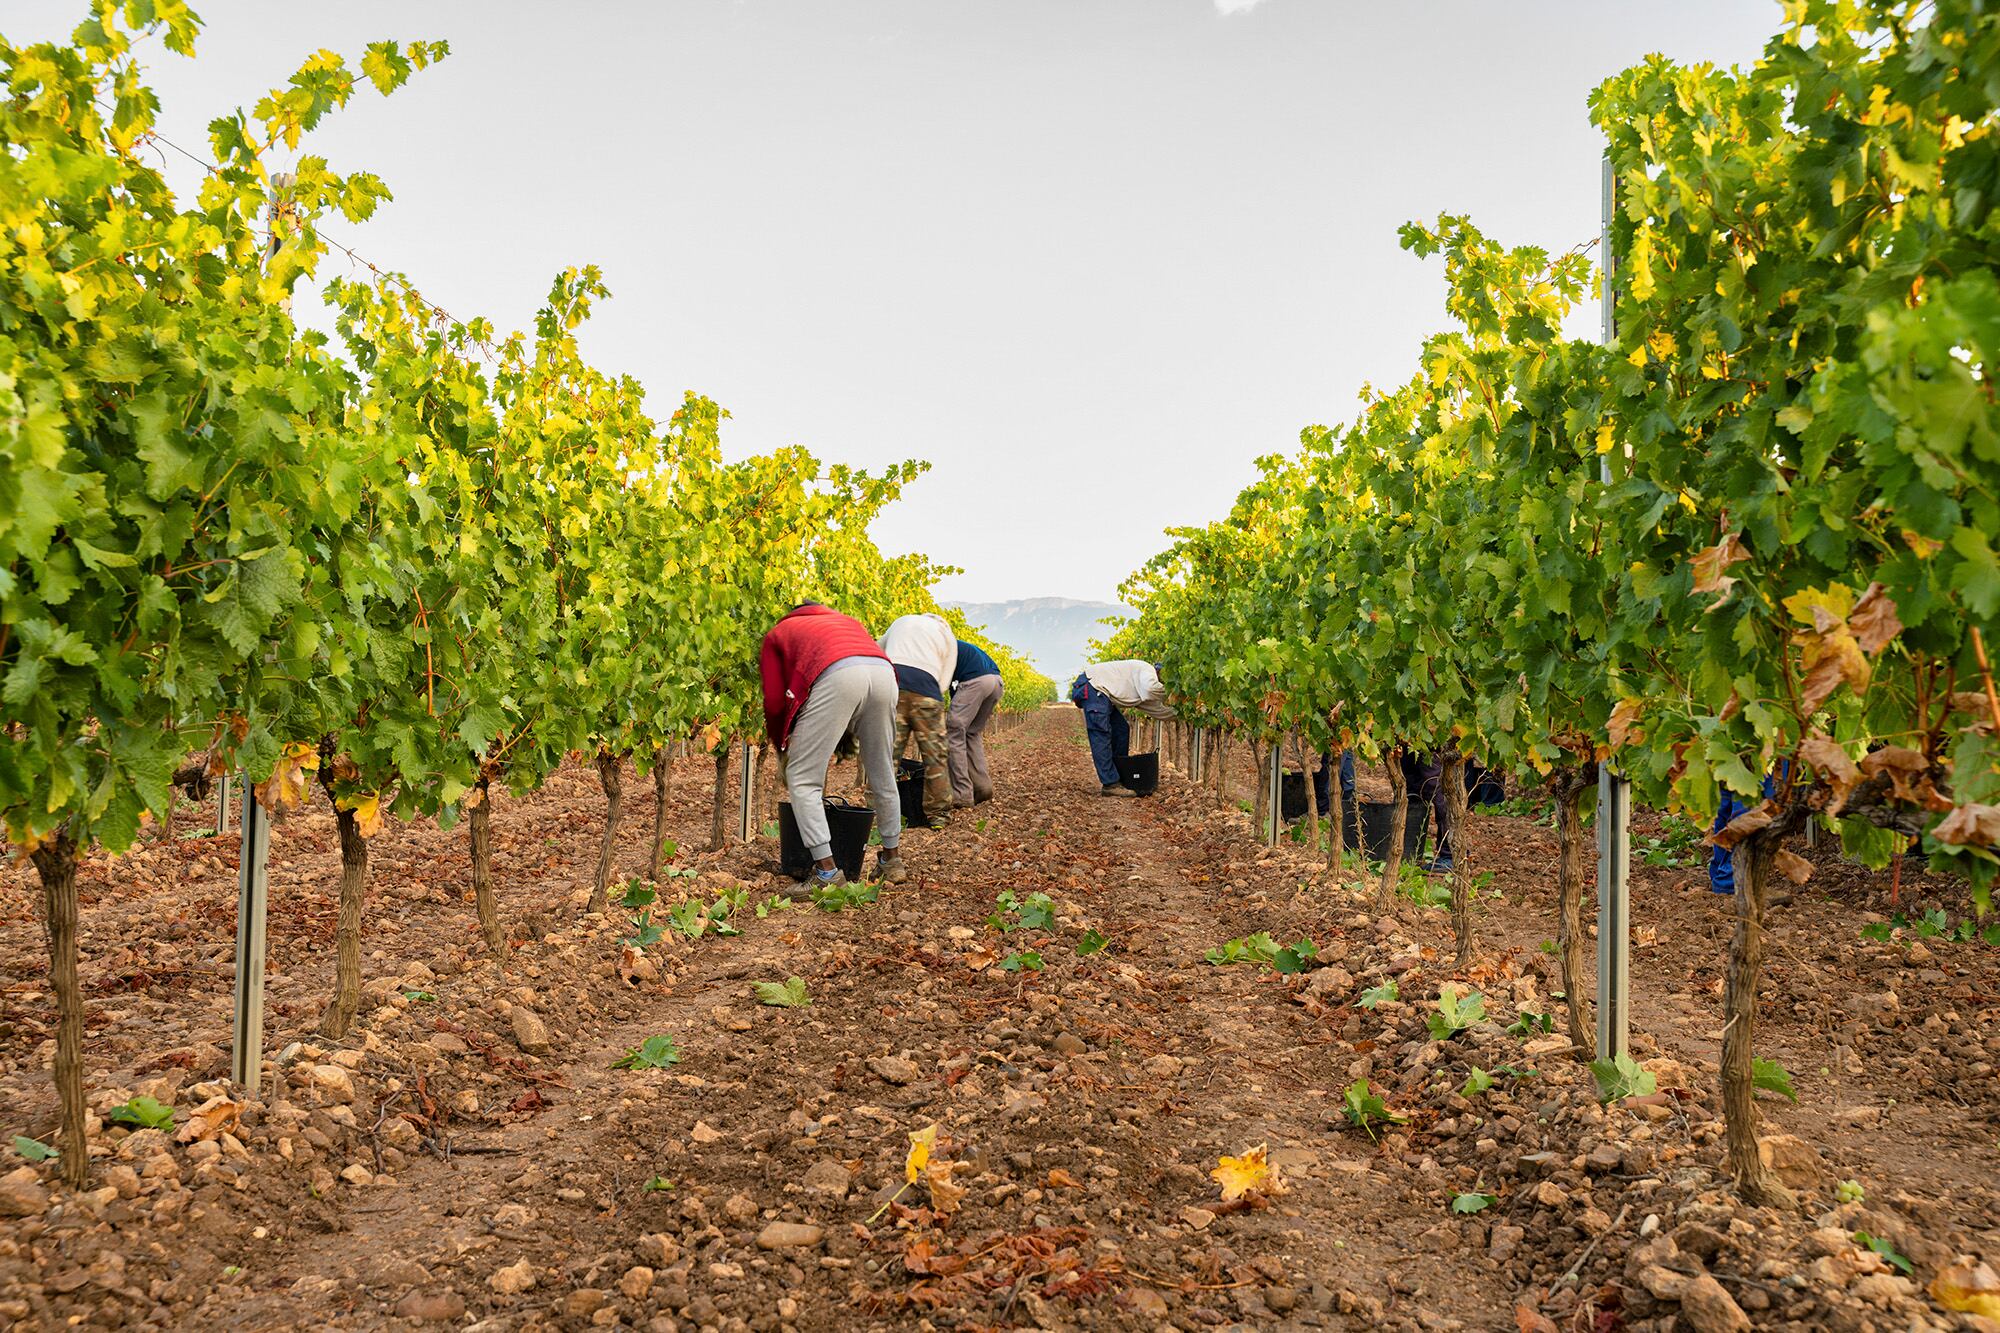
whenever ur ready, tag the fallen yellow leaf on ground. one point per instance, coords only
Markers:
(1238, 1176)
(1969, 1287)
(921, 1144)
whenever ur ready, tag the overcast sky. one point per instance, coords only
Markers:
(1088, 257)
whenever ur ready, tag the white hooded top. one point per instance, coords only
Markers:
(1130, 684)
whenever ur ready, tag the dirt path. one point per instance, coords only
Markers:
(1087, 1102)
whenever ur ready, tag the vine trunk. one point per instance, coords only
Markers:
(55, 863)
(479, 831)
(610, 776)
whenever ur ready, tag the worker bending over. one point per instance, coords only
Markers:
(1105, 691)
(824, 676)
(975, 692)
(925, 654)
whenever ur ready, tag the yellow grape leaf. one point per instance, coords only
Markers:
(1968, 1286)
(1822, 608)
(285, 789)
(367, 812)
(1604, 438)
(711, 736)
(921, 1144)
(1922, 545)
(1252, 1171)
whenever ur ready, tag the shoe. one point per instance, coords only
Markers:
(981, 797)
(1438, 865)
(1115, 789)
(813, 883)
(890, 869)
(940, 822)
(957, 804)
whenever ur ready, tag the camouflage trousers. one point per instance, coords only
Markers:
(924, 717)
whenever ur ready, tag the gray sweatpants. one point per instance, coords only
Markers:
(855, 694)
(971, 709)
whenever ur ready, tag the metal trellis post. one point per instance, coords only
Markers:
(1614, 794)
(222, 805)
(746, 808)
(1274, 779)
(247, 1052)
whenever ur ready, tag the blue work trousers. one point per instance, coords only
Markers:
(1323, 782)
(1110, 737)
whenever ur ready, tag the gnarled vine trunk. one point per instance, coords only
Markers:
(718, 827)
(479, 832)
(1221, 768)
(609, 775)
(1312, 799)
(1754, 856)
(1399, 821)
(1568, 785)
(346, 1002)
(662, 776)
(55, 863)
(1456, 808)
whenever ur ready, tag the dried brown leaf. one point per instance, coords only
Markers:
(210, 1120)
(1907, 770)
(1833, 765)
(1712, 564)
(1745, 824)
(1970, 825)
(1792, 866)
(1874, 620)
(1624, 719)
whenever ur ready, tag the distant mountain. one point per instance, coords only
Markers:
(1052, 632)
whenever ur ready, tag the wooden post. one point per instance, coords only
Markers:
(746, 812)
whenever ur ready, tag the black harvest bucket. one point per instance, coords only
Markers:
(910, 791)
(1375, 819)
(1140, 772)
(848, 823)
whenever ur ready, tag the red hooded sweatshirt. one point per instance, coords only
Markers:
(805, 643)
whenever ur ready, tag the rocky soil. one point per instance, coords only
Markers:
(472, 1156)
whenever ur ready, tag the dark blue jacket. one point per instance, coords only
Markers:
(916, 680)
(973, 662)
